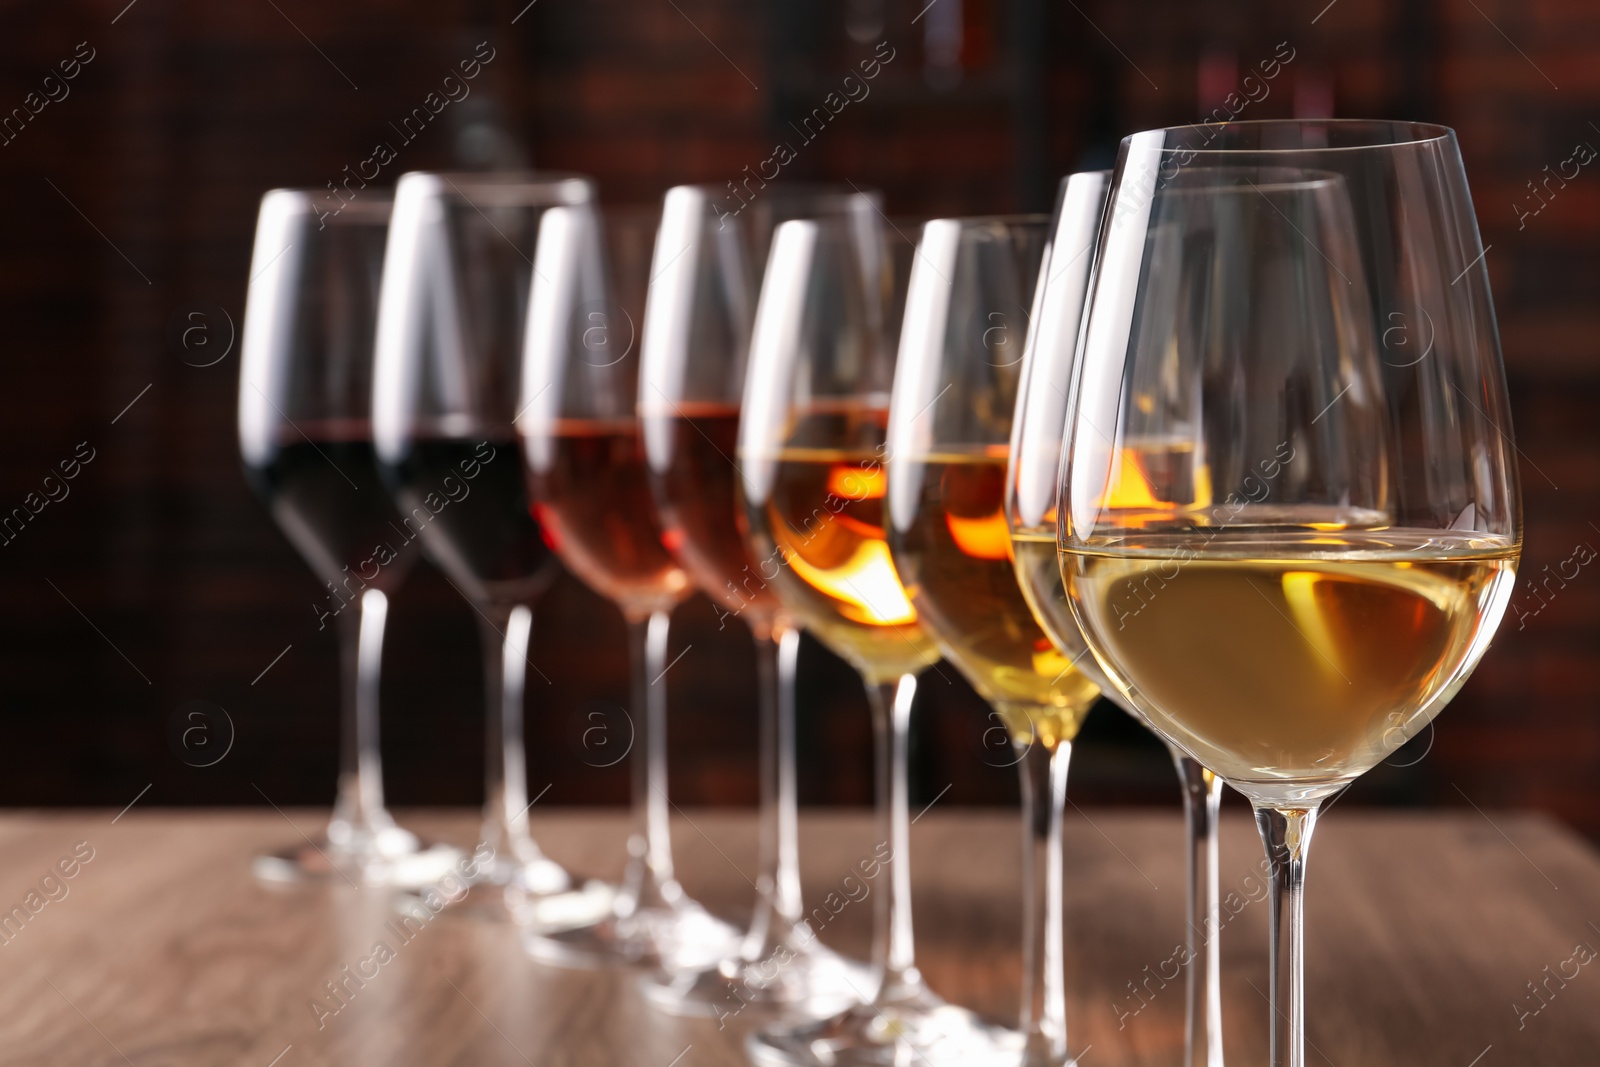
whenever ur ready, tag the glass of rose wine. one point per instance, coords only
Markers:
(1287, 536)
(306, 439)
(694, 348)
(451, 318)
(585, 463)
(955, 389)
(1031, 484)
(811, 461)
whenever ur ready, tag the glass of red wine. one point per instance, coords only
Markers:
(452, 311)
(586, 468)
(306, 440)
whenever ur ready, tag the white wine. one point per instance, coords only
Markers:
(956, 560)
(819, 537)
(1037, 561)
(1307, 659)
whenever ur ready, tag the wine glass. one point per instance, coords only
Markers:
(451, 318)
(306, 440)
(1287, 537)
(586, 469)
(955, 389)
(694, 345)
(811, 452)
(1031, 484)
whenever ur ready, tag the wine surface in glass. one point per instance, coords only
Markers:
(469, 501)
(825, 522)
(957, 562)
(699, 506)
(594, 502)
(324, 492)
(1302, 661)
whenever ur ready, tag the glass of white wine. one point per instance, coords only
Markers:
(1289, 517)
(1031, 483)
(811, 464)
(956, 385)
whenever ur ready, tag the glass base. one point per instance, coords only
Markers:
(540, 877)
(670, 937)
(389, 857)
(920, 1029)
(796, 977)
(573, 909)
(502, 888)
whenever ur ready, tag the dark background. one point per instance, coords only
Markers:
(131, 203)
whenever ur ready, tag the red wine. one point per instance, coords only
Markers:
(594, 501)
(324, 492)
(468, 502)
(699, 506)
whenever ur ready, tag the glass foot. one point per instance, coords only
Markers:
(794, 977)
(670, 937)
(920, 1029)
(573, 909)
(539, 877)
(389, 857)
(507, 891)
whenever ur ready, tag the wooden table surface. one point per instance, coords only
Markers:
(161, 951)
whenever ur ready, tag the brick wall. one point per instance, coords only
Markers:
(189, 110)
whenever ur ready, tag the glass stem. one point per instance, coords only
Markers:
(505, 630)
(358, 812)
(1202, 804)
(1286, 833)
(1044, 986)
(778, 882)
(894, 946)
(649, 882)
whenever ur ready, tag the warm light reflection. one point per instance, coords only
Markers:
(1300, 593)
(985, 537)
(864, 583)
(857, 482)
(1140, 468)
(1130, 488)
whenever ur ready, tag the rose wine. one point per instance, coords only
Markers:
(468, 502)
(324, 491)
(696, 489)
(1308, 658)
(593, 498)
(956, 561)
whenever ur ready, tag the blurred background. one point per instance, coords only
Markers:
(129, 195)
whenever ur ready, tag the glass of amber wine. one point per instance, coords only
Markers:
(1031, 483)
(1327, 522)
(694, 349)
(811, 455)
(955, 389)
(586, 472)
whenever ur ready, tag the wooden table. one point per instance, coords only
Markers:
(1425, 932)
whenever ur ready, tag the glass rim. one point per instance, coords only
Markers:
(1314, 178)
(519, 188)
(1017, 219)
(895, 227)
(1404, 134)
(373, 204)
(823, 190)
